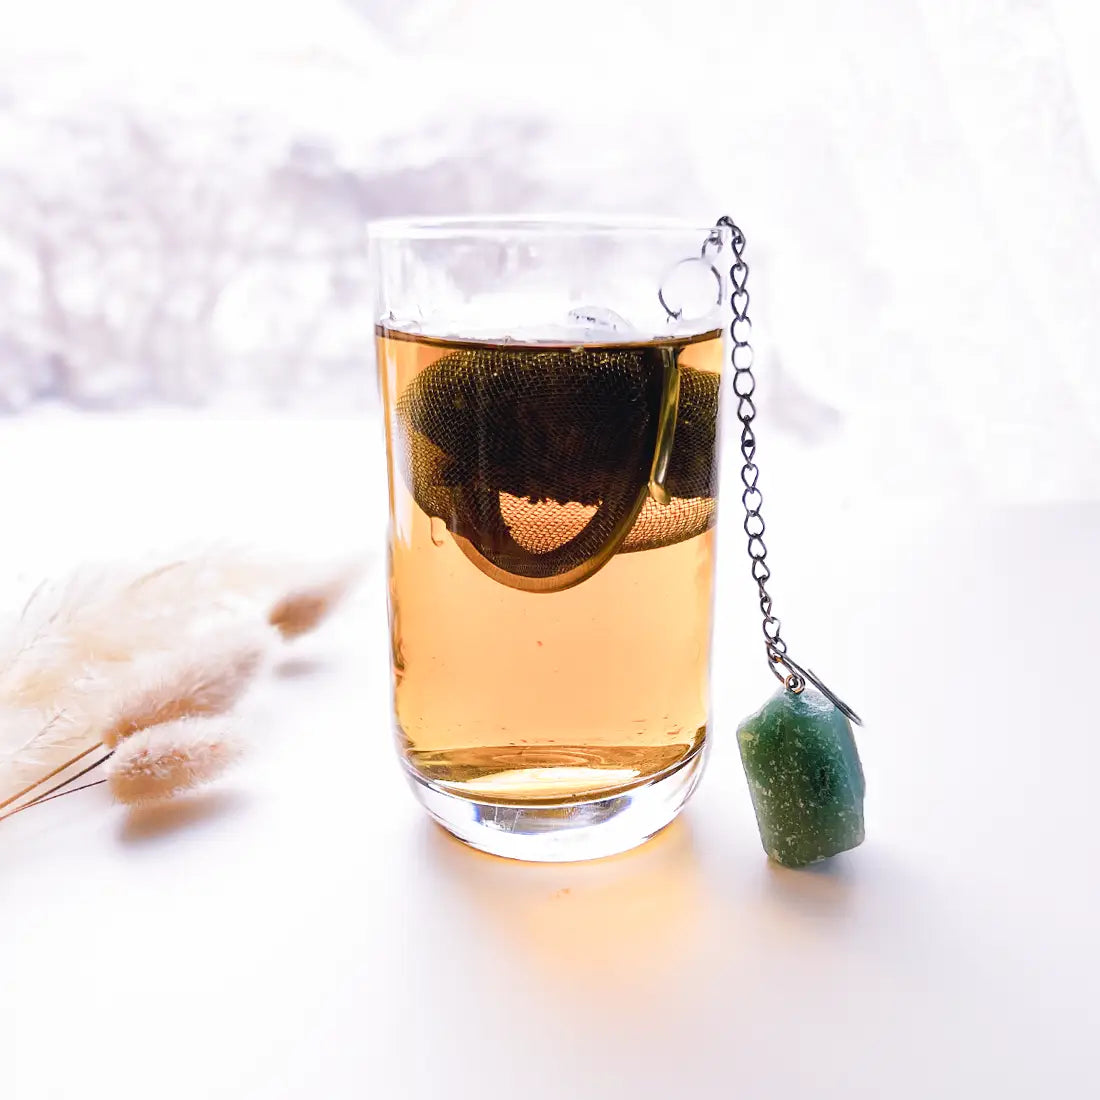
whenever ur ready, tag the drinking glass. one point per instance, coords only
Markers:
(551, 426)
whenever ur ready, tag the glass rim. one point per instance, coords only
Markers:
(488, 226)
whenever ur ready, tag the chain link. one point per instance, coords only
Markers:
(744, 386)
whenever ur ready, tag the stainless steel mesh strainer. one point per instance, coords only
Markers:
(545, 462)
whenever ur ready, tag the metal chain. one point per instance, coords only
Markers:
(783, 666)
(744, 386)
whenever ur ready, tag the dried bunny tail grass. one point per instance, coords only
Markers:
(101, 617)
(165, 760)
(201, 677)
(121, 648)
(204, 678)
(304, 608)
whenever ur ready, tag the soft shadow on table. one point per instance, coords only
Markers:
(300, 667)
(870, 894)
(626, 918)
(145, 824)
(828, 889)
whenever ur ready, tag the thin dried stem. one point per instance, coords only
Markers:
(45, 796)
(48, 776)
(50, 798)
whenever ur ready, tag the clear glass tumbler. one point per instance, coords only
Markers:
(552, 443)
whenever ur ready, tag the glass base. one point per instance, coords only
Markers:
(569, 830)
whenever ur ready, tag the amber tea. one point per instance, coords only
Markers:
(551, 562)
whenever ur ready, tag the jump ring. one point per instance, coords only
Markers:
(677, 314)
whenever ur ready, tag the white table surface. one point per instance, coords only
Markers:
(302, 930)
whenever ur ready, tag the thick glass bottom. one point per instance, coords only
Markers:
(567, 831)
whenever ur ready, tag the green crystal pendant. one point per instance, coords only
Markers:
(805, 777)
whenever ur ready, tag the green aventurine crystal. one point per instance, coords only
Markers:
(805, 777)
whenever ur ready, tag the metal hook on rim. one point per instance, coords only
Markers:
(797, 678)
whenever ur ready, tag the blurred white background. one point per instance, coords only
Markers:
(183, 190)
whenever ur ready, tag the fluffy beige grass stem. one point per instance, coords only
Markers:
(162, 761)
(76, 638)
(99, 658)
(206, 678)
(304, 608)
